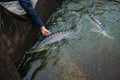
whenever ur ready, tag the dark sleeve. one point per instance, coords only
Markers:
(31, 12)
(7, 0)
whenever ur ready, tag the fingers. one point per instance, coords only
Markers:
(45, 32)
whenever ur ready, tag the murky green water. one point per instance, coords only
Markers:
(84, 55)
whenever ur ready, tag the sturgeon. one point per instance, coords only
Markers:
(49, 40)
(100, 27)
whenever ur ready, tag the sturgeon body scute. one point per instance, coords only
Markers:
(50, 39)
(100, 27)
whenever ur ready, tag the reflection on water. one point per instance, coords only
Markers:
(85, 55)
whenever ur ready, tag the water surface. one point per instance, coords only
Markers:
(84, 55)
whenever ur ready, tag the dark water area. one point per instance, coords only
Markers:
(84, 55)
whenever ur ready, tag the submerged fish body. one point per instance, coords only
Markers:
(100, 27)
(50, 39)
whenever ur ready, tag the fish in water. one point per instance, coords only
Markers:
(49, 40)
(100, 27)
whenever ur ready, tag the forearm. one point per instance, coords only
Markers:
(31, 12)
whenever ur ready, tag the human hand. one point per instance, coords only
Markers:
(44, 31)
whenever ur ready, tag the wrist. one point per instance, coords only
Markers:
(42, 28)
